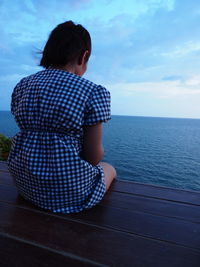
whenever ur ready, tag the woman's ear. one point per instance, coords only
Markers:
(86, 56)
(83, 58)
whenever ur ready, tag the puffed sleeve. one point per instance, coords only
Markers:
(98, 106)
(15, 98)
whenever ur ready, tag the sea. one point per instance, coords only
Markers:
(150, 150)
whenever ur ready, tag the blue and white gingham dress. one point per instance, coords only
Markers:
(51, 107)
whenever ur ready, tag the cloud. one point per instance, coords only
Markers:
(160, 41)
(194, 82)
(165, 98)
(183, 50)
(163, 89)
(140, 48)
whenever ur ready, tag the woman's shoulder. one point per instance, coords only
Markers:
(31, 76)
(80, 82)
(63, 78)
(93, 85)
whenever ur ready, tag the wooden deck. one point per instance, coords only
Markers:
(134, 225)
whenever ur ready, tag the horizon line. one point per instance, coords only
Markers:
(144, 116)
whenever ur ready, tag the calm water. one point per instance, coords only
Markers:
(161, 151)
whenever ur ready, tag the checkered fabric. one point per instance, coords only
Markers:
(51, 107)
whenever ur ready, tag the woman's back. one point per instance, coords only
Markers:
(51, 107)
(56, 100)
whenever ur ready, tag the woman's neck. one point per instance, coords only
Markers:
(69, 68)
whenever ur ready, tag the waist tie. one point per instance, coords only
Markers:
(45, 131)
(58, 132)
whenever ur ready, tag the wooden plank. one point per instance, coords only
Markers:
(101, 219)
(129, 202)
(188, 212)
(147, 225)
(5, 178)
(3, 166)
(98, 244)
(171, 194)
(8, 193)
(15, 252)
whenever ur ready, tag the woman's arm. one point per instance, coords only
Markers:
(92, 144)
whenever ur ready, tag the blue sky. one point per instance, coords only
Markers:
(147, 53)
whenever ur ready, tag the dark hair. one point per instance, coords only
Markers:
(66, 44)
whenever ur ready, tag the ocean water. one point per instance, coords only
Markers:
(161, 151)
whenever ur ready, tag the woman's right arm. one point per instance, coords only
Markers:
(92, 144)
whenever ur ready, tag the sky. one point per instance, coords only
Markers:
(145, 52)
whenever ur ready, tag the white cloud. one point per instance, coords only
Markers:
(162, 89)
(164, 99)
(183, 49)
(194, 81)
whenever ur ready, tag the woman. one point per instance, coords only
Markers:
(55, 158)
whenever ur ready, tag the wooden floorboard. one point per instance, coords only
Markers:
(134, 225)
(171, 194)
(139, 223)
(16, 252)
(185, 211)
(3, 166)
(128, 202)
(5, 178)
(104, 246)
